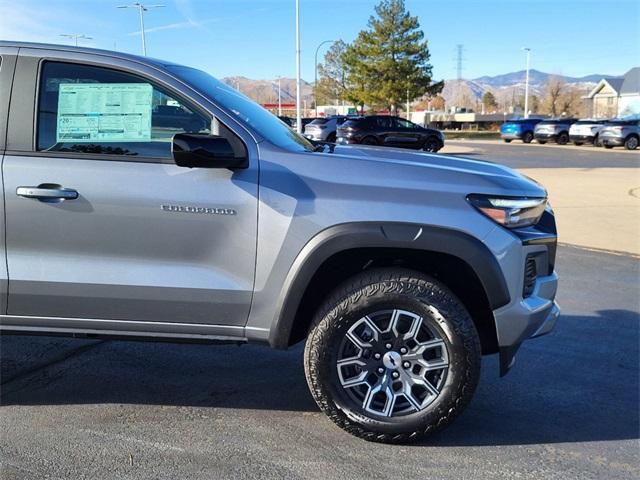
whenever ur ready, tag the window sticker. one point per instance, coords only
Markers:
(104, 112)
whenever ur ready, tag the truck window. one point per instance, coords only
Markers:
(87, 109)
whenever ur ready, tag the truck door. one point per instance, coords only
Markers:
(103, 229)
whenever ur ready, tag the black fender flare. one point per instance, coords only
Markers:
(349, 236)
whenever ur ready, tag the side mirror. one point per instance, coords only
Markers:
(204, 151)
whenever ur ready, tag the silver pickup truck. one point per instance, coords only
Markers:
(398, 268)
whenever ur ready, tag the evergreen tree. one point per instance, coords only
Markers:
(489, 101)
(390, 60)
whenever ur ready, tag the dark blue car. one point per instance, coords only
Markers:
(519, 129)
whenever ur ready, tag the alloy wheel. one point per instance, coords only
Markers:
(392, 362)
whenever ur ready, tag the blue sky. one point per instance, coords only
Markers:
(255, 38)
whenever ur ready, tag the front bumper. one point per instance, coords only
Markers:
(317, 136)
(529, 268)
(527, 318)
(545, 137)
(614, 141)
(581, 138)
(510, 136)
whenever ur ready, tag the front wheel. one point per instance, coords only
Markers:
(563, 138)
(528, 136)
(431, 144)
(392, 356)
(631, 143)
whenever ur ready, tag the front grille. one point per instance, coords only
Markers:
(530, 275)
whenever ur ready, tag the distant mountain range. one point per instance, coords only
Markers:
(509, 86)
(266, 91)
(504, 87)
(536, 77)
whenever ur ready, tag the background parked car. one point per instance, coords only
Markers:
(323, 129)
(621, 132)
(554, 130)
(176, 117)
(305, 121)
(521, 129)
(586, 131)
(389, 131)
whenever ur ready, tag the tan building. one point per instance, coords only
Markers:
(616, 97)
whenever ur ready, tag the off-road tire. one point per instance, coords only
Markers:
(392, 288)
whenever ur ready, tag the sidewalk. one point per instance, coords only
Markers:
(595, 208)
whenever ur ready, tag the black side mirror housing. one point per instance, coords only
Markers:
(204, 151)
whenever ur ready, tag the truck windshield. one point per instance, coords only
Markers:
(244, 109)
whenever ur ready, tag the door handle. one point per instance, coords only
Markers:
(48, 192)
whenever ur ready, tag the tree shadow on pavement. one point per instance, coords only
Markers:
(578, 384)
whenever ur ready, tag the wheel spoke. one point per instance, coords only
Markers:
(416, 322)
(382, 386)
(356, 340)
(414, 379)
(355, 380)
(435, 364)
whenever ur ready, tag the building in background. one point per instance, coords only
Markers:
(616, 97)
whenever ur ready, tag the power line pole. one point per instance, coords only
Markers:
(526, 83)
(141, 9)
(459, 47)
(459, 95)
(298, 106)
(75, 37)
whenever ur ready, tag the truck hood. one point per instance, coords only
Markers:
(485, 172)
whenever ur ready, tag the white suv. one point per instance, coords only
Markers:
(586, 131)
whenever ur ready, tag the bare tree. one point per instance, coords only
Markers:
(553, 91)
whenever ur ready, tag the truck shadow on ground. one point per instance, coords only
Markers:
(579, 384)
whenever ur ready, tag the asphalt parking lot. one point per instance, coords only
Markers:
(126, 410)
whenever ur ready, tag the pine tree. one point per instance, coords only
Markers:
(390, 60)
(489, 101)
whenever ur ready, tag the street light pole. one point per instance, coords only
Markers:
(315, 83)
(75, 37)
(298, 111)
(141, 9)
(526, 84)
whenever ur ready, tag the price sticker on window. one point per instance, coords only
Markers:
(104, 112)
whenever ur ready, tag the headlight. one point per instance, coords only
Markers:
(510, 212)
